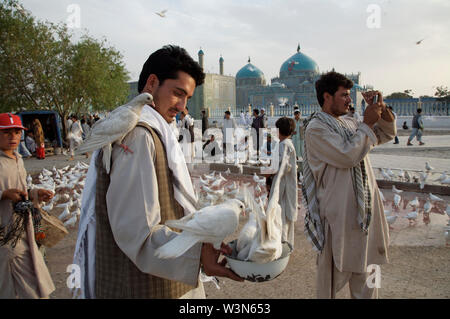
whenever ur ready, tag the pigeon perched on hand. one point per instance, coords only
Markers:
(210, 224)
(114, 127)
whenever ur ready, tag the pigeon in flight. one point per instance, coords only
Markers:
(210, 224)
(114, 127)
(162, 14)
(420, 41)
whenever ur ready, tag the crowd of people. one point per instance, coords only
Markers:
(122, 226)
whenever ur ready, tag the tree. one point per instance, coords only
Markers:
(400, 95)
(40, 68)
(442, 93)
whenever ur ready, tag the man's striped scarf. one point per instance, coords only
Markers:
(313, 226)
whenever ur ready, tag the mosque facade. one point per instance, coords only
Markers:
(295, 86)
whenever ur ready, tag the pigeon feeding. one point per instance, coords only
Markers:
(114, 127)
(210, 224)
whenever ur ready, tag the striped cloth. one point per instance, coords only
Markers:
(313, 227)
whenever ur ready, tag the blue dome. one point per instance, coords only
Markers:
(299, 62)
(201, 52)
(249, 71)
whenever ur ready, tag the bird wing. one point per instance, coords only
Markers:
(111, 129)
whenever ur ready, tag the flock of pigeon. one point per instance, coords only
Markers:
(67, 183)
(421, 178)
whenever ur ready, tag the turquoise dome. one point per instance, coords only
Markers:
(299, 62)
(201, 52)
(249, 71)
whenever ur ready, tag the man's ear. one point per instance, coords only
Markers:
(327, 97)
(151, 84)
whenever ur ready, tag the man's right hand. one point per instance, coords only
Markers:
(211, 267)
(15, 195)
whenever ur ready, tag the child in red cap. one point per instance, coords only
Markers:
(23, 273)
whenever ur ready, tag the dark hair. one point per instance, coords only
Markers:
(74, 117)
(256, 111)
(227, 112)
(165, 64)
(419, 111)
(330, 83)
(83, 121)
(286, 125)
(297, 112)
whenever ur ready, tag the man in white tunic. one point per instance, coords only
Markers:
(344, 220)
(146, 188)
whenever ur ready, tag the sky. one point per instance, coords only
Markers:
(375, 37)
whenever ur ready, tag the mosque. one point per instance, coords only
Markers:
(295, 85)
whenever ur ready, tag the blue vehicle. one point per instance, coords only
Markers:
(50, 121)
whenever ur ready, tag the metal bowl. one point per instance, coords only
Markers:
(256, 272)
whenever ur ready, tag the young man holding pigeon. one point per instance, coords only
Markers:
(344, 221)
(143, 190)
(23, 272)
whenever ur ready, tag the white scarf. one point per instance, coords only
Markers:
(84, 255)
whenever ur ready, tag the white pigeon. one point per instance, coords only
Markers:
(222, 178)
(205, 278)
(401, 175)
(66, 213)
(390, 172)
(427, 207)
(66, 204)
(206, 189)
(29, 181)
(428, 167)
(114, 127)
(246, 237)
(384, 174)
(258, 189)
(397, 200)
(412, 216)
(446, 181)
(435, 198)
(407, 177)
(216, 183)
(228, 171)
(48, 207)
(423, 177)
(162, 13)
(395, 190)
(71, 221)
(414, 203)
(210, 224)
(387, 212)
(442, 177)
(203, 182)
(391, 219)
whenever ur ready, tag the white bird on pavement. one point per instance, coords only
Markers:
(407, 177)
(387, 212)
(384, 174)
(381, 196)
(207, 189)
(114, 127)
(414, 203)
(228, 171)
(446, 181)
(428, 167)
(391, 219)
(29, 181)
(412, 216)
(427, 207)
(66, 213)
(435, 198)
(423, 177)
(216, 183)
(71, 221)
(395, 190)
(397, 200)
(210, 224)
(401, 175)
(48, 207)
(210, 176)
(203, 182)
(222, 178)
(258, 189)
(390, 172)
(442, 177)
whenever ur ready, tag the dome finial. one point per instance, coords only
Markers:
(248, 59)
(298, 47)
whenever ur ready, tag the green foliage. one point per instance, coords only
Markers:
(399, 95)
(40, 68)
(442, 93)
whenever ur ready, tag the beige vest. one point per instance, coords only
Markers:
(116, 276)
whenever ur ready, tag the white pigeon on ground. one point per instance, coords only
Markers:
(66, 213)
(205, 278)
(203, 182)
(442, 177)
(384, 174)
(407, 177)
(446, 181)
(114, 127)
(414, 203)
(222, 178)
(48, 207)
(427, 207)
(412, 216)
(387, 212)
(210, 224)
(29, 181)
(397, 200)
(435, 198)
(228, 171)
(390, 173)
(216, 183)
(395, 190)
(391, 219)
(428, 167)
(401, 175)
(423, 177)
(71, 221)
